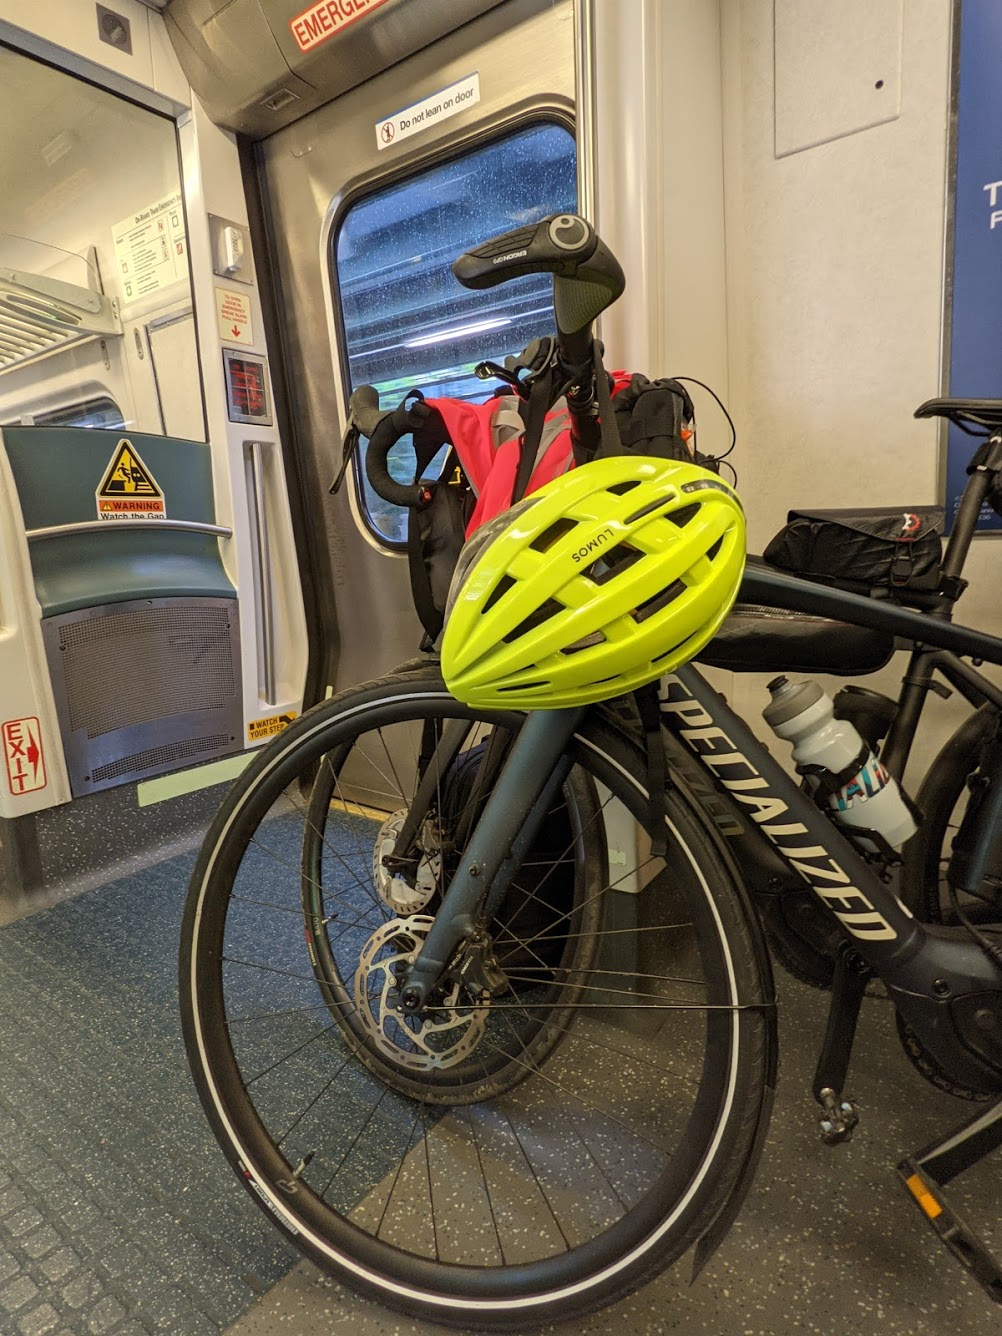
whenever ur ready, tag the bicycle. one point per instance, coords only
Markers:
(525, 1060)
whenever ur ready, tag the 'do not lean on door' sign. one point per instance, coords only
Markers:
(427, 113)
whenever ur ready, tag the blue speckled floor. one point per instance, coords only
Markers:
(117, 1211)
(827, 1241)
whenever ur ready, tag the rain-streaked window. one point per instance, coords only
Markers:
(407, 323)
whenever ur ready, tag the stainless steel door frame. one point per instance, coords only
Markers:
(523, 52)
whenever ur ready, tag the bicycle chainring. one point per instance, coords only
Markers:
(437, 1039)
(926, 1064)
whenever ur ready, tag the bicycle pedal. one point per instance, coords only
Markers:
(961, 1240)
(838, 1119)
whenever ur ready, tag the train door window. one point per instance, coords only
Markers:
(93, 254)
(101, 412)
(407, 324)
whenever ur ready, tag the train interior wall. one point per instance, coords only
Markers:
(802, 279)
(835, 274)
(800, 256)
(791, 258)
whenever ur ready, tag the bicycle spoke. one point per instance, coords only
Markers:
(485, 1131)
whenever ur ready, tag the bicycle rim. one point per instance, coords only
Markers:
(541, 1148)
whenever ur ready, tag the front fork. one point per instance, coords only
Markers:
(533, 773)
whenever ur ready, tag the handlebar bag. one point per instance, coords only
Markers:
(863, 551)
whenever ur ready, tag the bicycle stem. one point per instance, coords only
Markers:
(511, 818)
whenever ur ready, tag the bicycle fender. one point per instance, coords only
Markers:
(720, 1227)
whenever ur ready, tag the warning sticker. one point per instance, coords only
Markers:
(322, 20)
(233, 316)
(429, 111)
(128, 490)
(22, 749)
(265, 728)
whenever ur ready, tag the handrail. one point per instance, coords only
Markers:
(110, 526)
(254, 454)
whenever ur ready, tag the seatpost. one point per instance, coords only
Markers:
(966, 522)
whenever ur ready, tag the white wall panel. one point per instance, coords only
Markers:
(834, 290)
(838, 68)
(660, 190)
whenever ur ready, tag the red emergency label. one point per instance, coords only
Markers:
(327, 18)
(22, 749)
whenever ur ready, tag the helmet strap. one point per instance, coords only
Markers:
(534, 415)
(649, 709)
(611, 444)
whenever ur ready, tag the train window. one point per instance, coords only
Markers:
(93, 253)
(407, 323)
(90, 413)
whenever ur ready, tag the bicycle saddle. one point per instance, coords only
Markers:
(966, 413)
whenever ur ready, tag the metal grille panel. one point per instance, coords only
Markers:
(160, 758)
(161, 661)
(145, 687)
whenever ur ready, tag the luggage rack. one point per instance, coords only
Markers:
(39, 316)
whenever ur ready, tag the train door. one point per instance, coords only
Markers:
(366, 202)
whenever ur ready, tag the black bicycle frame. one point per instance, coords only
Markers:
(945, 985)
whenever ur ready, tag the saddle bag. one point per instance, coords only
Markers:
(890, 552)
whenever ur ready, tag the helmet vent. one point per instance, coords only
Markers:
(612, 563)
(586, 642)
(542, 614)
(621, 488)
(659, 601)
(711, 552)
(649, 509)
(544, 541)
(499, 591)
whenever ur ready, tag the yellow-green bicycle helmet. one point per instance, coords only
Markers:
(602, 580)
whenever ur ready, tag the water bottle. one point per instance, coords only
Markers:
(827, 748)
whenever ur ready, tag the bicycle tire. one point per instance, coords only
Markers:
(660, 1187)
(941, 799)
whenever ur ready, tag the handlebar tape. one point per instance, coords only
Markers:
(384, 430)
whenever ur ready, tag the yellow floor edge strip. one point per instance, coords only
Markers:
(159, 790)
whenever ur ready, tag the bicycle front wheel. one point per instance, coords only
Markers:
(536, 1145)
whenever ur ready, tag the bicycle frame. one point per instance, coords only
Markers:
(943, 983)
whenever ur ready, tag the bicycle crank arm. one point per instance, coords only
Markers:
(512, 813)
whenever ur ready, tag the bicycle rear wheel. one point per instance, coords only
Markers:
(507, 1160)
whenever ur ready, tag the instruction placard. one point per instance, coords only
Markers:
(266, 728)
(128, 490)
(151, 250)
(22, 749)
(429, 112)
(233, 316)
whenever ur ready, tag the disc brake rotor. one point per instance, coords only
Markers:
(394, 890)
(441, 1037)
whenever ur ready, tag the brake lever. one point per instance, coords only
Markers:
(491, 371)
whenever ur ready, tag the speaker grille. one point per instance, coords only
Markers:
(142, 665)
(160, 758)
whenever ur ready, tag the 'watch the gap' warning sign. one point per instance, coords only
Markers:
(128, 490)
